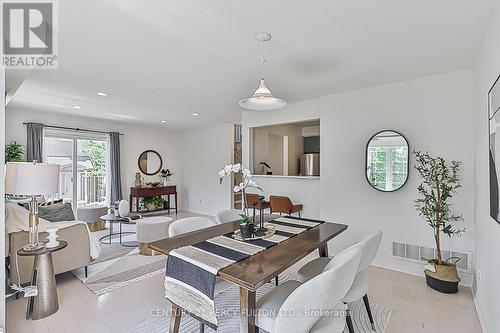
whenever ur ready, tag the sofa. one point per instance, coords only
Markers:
(81, 248)
(75, 255)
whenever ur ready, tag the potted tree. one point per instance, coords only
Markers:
(440, 182)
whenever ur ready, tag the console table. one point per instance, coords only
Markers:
(142, 192)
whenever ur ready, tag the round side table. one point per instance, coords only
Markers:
(45, 303)
(111, 218)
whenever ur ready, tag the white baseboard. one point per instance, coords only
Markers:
(478, 311)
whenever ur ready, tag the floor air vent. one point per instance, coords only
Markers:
(420, 253)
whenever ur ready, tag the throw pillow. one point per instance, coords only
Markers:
(57, 212)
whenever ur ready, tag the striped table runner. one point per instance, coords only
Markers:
(191, 276)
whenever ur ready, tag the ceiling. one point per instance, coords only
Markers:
(165, 60)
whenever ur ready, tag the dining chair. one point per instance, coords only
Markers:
(228, 215)
(359, 289)
(255, 200)
(281, 204)
(189, 224)
(314, 306)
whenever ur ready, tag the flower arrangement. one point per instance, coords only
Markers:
(115, 207)
(165, 174)
(247, 177)
(246, 182)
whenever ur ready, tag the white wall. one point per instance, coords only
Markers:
(435, 114)
(205, 151)
(487, 235)
(304, 191)
(137, 139)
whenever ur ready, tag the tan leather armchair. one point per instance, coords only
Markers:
(281, 205)
(254, 198)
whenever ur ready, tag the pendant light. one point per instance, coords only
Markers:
(262, 99)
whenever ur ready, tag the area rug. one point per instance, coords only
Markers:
(229, 300)
(106, 276)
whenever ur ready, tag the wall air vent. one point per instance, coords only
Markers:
(419, 253)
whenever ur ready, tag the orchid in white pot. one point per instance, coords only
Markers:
(247, 180)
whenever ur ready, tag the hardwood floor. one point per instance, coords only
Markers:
(417, 308)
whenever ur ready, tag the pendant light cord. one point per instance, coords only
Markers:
(263, 60)
(264, 72)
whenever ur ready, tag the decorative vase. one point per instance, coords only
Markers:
(52, 237)
(117, 213)
(123, 208)
(138, 182)
(247, 230)
(445, 278)
(165, 181)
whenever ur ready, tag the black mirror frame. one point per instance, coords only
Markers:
(407, 165)
(139, 162)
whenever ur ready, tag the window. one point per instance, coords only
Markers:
(387, 166)
(83, 160)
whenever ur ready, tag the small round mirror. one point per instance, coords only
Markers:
(387, 155)
(150, 162)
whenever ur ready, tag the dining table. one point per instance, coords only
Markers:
(253, 272)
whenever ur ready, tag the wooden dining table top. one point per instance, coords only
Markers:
(254, 271)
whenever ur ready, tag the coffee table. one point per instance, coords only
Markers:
(111, 218)
(45, 303)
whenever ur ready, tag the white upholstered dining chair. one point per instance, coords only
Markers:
(228, 215)
(314, 306)
(189, 224)
(359, 289)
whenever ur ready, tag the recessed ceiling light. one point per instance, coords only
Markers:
(76, 107)
(101, 93)
(196, 114)
(163, 121)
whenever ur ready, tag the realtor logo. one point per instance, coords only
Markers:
(28, 34)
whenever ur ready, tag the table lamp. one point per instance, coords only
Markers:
(33, 180)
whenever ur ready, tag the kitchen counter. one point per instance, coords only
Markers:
(289, 177)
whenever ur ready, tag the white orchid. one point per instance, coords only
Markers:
(239, 187)
(236, 168)
(246, 173)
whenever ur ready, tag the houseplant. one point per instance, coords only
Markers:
(263, 167)
(247, 226)
(153, 203)
(14, 152)
(165, 174)
(247, 182)
(440, 182)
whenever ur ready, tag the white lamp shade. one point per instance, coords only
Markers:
(262, 99)
(31, 178)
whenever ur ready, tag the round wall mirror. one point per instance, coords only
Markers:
(387, 156)
(150, 162)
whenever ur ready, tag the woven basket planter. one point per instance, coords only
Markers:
(445, 279)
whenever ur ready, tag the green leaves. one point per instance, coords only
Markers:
(14, 152)
(245, 220)
(440, 180)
